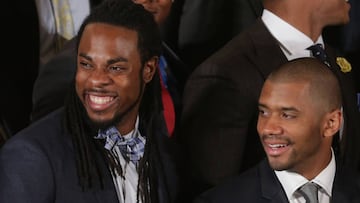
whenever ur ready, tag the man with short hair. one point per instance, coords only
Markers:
(220, 98)
(299, 114)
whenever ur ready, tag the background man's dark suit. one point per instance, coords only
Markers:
(206, 25)
(261, 185)
(346, 39)
(49, 168)
(221, 106)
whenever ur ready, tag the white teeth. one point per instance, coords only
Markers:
(100, 100)
(277, 145)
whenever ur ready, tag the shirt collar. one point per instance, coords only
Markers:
(291, 40)
(292, 181)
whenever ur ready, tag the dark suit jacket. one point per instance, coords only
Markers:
(220, 109)
(206, 25)
(38, 165)
(261, 185)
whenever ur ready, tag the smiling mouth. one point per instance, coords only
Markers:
(100, 100)
(100, 103)
(277, 146)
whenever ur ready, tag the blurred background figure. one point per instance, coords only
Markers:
(59, 21)
(206, 25)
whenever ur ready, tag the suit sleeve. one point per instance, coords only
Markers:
(28, 180)
(216, 121)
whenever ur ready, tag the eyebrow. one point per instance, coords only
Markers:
(282, 108)
(110, 61)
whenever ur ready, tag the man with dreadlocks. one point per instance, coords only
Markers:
(108, 144)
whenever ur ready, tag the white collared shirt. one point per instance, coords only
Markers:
(127, 186)
(291, 181)
(292, 41)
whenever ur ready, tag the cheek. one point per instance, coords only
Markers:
(79, 81)
(129, 86)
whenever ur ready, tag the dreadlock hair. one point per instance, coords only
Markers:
(90, 153)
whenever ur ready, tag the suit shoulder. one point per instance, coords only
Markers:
(236, 188)
(45, 133)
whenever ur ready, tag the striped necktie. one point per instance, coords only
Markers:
(64, 22)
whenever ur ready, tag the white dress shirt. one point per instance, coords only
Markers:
(291, 181)
(291, 40)
(126, 188)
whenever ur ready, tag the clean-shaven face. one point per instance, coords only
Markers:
(289, 126)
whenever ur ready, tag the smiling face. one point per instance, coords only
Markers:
(110, 78)
(291, 127)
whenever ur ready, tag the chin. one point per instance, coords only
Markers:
(278, 165)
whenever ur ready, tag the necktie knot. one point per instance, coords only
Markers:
(318, 52)
(310, 192)
(132, 149)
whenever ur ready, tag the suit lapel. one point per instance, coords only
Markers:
(271, 188)
(351, 114)
(257, 6)
(108, 193)
(346, 186)
(266, 48)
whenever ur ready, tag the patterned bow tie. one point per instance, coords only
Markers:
(131, 148)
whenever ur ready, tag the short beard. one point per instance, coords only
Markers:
(96, 126)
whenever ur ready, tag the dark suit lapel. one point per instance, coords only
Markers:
(266, 48)
(165, 166)
(271, 188)
(256, 6)
(351, 113)
(108, 193)
(346, 186)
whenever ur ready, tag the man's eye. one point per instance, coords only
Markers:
(85, 65)
(263, 112)
(117, 68)
(288, 116)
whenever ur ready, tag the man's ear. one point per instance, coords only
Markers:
(150, 67)
(333, 122)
